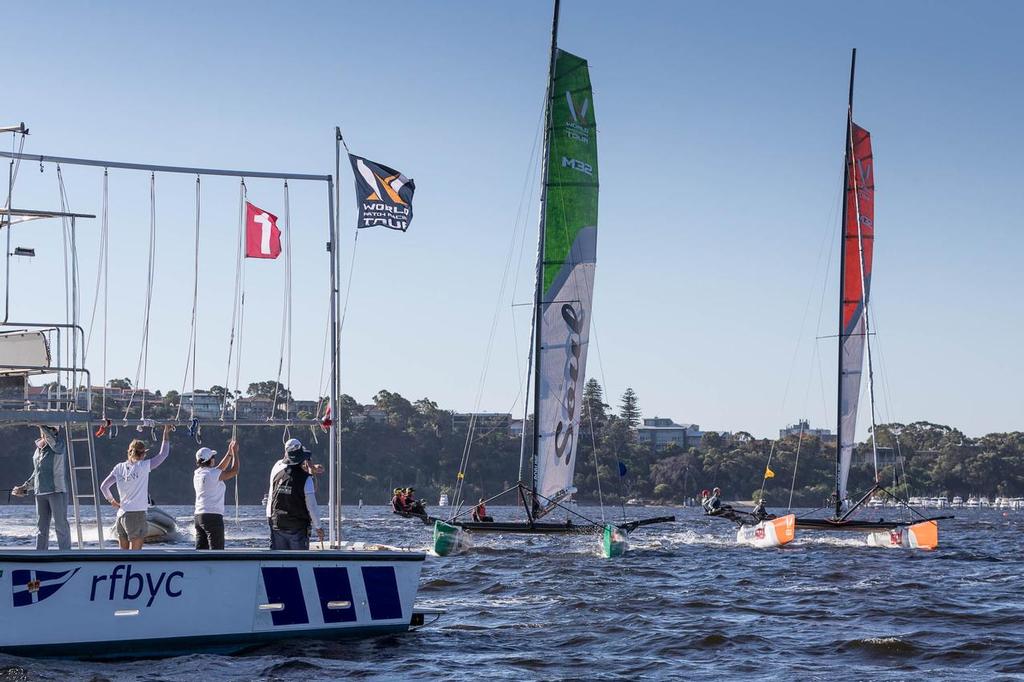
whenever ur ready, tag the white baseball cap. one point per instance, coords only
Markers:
(205, 454)
(292, 444)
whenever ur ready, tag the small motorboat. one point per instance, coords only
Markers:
(161, 526)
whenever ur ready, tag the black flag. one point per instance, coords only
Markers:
(383, 194)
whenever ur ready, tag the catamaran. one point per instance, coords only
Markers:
(563, 295)
(912, 530)
(95, 602)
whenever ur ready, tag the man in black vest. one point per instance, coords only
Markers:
(291, 503)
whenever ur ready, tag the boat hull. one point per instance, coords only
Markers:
(113, 604)
(448, 539)
(769, 533)
(924, 535)
(614, 542)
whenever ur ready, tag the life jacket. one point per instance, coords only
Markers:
(288, 499)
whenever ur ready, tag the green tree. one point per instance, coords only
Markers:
(629, 408)
(267, 389)
(595, 410)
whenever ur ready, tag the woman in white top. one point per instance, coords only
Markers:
(209, 484)
(132, 479)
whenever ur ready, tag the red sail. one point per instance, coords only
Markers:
(858, 238)
(860, 208)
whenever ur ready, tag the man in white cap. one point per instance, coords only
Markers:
(209, 480)
(49, 484)
(291, 503)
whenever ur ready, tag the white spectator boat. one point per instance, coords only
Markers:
(95, 602)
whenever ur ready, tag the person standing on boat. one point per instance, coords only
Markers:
(291, 503)
(132, 479)
(208, 481)
(48, 481)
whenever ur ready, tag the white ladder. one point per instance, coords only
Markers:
(80, 433)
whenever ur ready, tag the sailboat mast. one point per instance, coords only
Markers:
(842, 281)
(538, 310)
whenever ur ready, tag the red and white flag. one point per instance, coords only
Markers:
(262, 237)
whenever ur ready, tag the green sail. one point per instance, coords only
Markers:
(569, 253)
(571, 202)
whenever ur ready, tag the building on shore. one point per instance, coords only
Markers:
(803, 426)
(660, 433)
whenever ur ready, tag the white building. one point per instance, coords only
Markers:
(659, 433)
(803, 426)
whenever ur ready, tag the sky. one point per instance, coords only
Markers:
(720, 137)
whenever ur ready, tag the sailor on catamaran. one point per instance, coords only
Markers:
(713, 505)
(760, 513)
(398, 501)
(412, 505)
(480, 513)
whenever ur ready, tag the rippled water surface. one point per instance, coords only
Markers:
(685, 602)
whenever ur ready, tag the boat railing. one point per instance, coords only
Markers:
(45, 350)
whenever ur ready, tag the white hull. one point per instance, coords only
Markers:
(772, 533)
(105, 604)
(924, 535)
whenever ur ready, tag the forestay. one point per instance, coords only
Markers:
(858, 247)
(568, 253)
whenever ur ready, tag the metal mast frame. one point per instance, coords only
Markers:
(334, 466)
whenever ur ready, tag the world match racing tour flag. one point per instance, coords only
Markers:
(383, 194)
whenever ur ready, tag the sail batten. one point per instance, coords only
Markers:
(857, 254)
(566, 274)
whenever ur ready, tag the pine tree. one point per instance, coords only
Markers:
(629, 408)
(595, 410)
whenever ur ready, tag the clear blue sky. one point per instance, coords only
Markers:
(720, 142)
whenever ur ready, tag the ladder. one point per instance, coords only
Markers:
(83, 466)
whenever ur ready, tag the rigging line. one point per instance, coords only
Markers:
(531, 183)
(106, 285)
(503, 288)
(286, 316)
(796, 466)
(67, 296)
(234, 298)
(190, 353)
(141, 369)
(71, 241)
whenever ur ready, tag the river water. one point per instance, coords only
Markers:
(686, 602)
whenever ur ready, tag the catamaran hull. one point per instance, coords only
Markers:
(924, 535)
(111, 604)
(449, 539)
(614, 542)
(770, 533)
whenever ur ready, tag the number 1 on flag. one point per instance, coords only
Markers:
(262, 236)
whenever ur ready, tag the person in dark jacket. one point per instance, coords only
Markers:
(292, 511)
(48, 482)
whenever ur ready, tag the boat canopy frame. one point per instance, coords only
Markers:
(72, 412)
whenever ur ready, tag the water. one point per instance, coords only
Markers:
(685, 602)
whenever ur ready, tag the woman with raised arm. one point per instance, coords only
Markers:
(132, 479)
(209, 484)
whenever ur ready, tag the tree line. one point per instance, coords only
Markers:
(414, 443)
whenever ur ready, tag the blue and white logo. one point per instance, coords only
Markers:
(31, 586)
